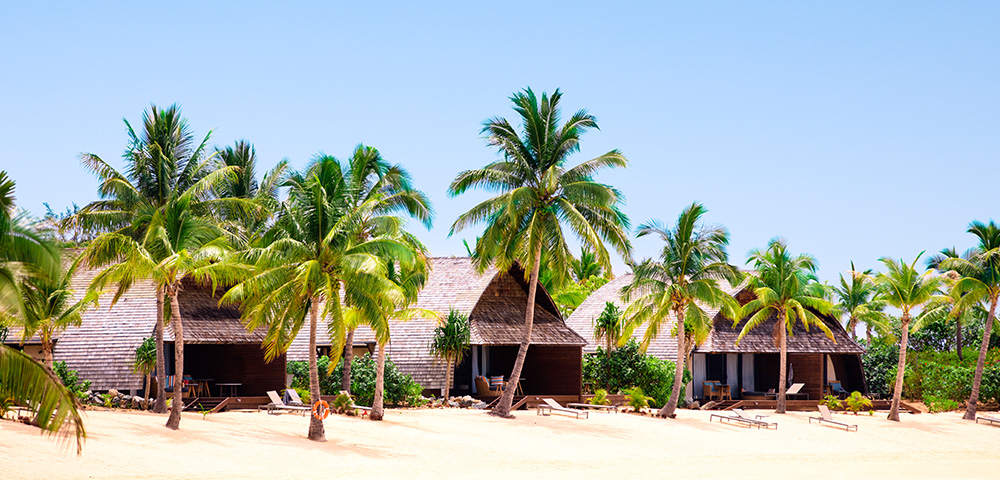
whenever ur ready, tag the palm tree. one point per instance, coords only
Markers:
(161, 159)
(22, 379)
(403, 282)
(145, 361)
(692, 262)
(585, 266)
(943, 306)
(302, 272)
(49, 307)
(786, 289)
(609, 327)
(537, 196)
(904, 288)
(855, 300)
(178, 245)
(252, 222)
(979, 284)
(451, 342)
(388, 190)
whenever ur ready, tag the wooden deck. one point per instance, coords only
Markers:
(795, 405)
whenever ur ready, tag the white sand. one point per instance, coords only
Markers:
(465, 443)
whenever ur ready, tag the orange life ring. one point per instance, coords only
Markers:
(321, 410)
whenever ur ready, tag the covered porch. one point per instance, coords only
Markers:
(753, 375)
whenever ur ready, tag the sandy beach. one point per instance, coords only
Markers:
(458, 443)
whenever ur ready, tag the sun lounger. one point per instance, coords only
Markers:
(606, 408)
(793, 391)
(990, 420)
(744, 418)
(551, 405)
(293, 397)
(364, 410)
(277, 405)
(826, 417)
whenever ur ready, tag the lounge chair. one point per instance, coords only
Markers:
(278, 404)
(551, 405)
(837, 389)
(990, 420)
(364, 410)
(483, 388)
(744, 418)
(826, 417)
(606, 408)
(293, 396)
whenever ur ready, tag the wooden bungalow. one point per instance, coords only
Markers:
(495, 303)
(750, 368)
(218, 349)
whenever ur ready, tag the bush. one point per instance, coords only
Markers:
(636, 399)
(831, 402)
(600, 397)
(857, 402)
(628, 367)
(70, 378)
(879, 361)
(400, 389)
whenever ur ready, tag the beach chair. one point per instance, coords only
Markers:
(743, 418)
(364, 410)
(796, 390)
(990, 420)
(278, 405)
(293, 397)
(826, 417)
(606, 408)
(551, 405)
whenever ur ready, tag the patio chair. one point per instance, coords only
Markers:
(743, 418)
(497, 383)
(278, 405)
(837, 389)
(293, 396)
(483, 388)
(551, 405)
(711, 389)
(990, 420)
(826, 417)
(168, 384)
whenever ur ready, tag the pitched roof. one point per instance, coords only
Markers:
(494, 302)
(722, 339)
(205, 321)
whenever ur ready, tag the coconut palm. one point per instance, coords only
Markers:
(178, 245)
(249, 223)
(686, 278)
(388, 190)
(902, 287)
(403, 282)
(585, 266)
(161, 159)
(451, 342)
(50, 306)
(302, 272)
(979, 285)
(855, 300)
(785, 289)
(609, 327)
(537, 196)
(22, 379)
(145, 361)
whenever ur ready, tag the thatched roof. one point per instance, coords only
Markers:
(723, 337)
(207, 322)
(494, 302)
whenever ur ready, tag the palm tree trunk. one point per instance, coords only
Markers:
(668, 410)
(177, 405)
(868, 334)
(161, 364)
(377, 405)
(145, 401)
(507, 399)
(970, 409)
(47, 354)
(783, 363)
(958, 338)
(897, 391)
(345, 379)
(447, 379)
(317, 432)
(854, 328)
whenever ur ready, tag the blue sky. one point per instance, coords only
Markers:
(852, 129)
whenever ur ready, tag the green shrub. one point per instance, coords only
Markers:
(857, 402)
(70, 378)
(832, 402)
(628, 367)
(600, 397)
(636, 399)
(400, 389)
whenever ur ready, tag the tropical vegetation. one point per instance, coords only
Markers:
(450, 343)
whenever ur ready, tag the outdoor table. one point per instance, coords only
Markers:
(232, 388)
(203, 385)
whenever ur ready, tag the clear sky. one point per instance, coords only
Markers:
(853, 129)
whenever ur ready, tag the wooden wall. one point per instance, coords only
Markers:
(548, 370)
(235, 364)
(808, 369)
